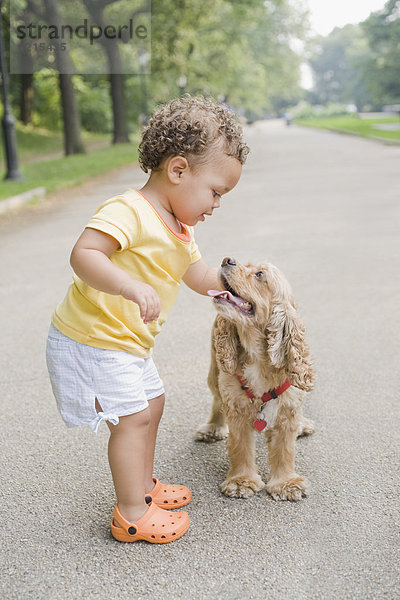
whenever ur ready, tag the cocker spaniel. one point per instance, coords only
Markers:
(260, 371)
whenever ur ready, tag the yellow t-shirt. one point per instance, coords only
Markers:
(150, 252)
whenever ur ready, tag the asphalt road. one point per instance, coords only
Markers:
(325, 209)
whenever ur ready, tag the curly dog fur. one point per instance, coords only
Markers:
(258, 334)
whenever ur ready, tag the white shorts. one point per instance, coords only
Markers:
(121, 382)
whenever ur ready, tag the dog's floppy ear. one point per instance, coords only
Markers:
(226, 344)
(287, 347)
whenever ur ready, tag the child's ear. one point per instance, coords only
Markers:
(176, 167)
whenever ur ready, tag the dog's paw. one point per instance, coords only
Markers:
(292, 489)
(242, 487)
(306, 427)
(209, 432)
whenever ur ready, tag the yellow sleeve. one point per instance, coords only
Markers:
(195, 254)
(118, 217)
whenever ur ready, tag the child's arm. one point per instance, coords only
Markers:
(90, 259)
(200, 278)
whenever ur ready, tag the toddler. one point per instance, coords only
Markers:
(128, 264)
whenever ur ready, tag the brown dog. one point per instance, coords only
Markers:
(260, 369)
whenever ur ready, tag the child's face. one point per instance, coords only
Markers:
(201, 187)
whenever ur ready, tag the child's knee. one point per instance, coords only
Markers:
(133, 421)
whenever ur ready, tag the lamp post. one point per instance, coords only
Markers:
(10, 142)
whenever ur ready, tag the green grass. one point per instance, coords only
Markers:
(69, 171)
(35, 142)
(353, 124)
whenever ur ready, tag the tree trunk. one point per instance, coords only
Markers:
(117, 89)
(26, 98)
(117, 80)
(26, 85)
(71, 119)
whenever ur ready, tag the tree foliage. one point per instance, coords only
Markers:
(337, 62)
(360, 64)
(382, 66)
(237, 51)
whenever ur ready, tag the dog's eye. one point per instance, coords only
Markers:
(260, 275)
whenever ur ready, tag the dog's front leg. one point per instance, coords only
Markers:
(215, 429)
(243, 479)
(284, 482)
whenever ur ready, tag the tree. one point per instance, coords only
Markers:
(71, 120)
(337, 61)
(236, 50)
(26, 98)
(382, 67)
(360, 63)
(23, 82)
(239, 52)
(117, 79)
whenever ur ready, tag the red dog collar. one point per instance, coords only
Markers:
(271, 395)
(261, 424)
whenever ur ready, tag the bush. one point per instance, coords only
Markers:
(46, 102)
(93, 95)
(305, 110)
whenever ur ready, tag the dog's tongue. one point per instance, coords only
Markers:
(217, 294)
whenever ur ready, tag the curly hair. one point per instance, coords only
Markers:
(190, 126)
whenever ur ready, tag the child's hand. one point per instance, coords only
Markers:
(145, 297)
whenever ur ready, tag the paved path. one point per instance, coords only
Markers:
(323, 207)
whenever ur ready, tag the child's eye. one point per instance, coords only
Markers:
(216, 195)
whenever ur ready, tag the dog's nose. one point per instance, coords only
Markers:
(228, 261)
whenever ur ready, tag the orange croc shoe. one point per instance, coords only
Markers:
(168, 496)
(156, 526)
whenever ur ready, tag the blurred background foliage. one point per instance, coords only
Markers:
(246, 54)
(233, 50)
(359, 64)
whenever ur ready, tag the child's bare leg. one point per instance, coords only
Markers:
(127, 449)
(131, 456)
(156, 410)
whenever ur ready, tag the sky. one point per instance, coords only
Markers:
(327, 14)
